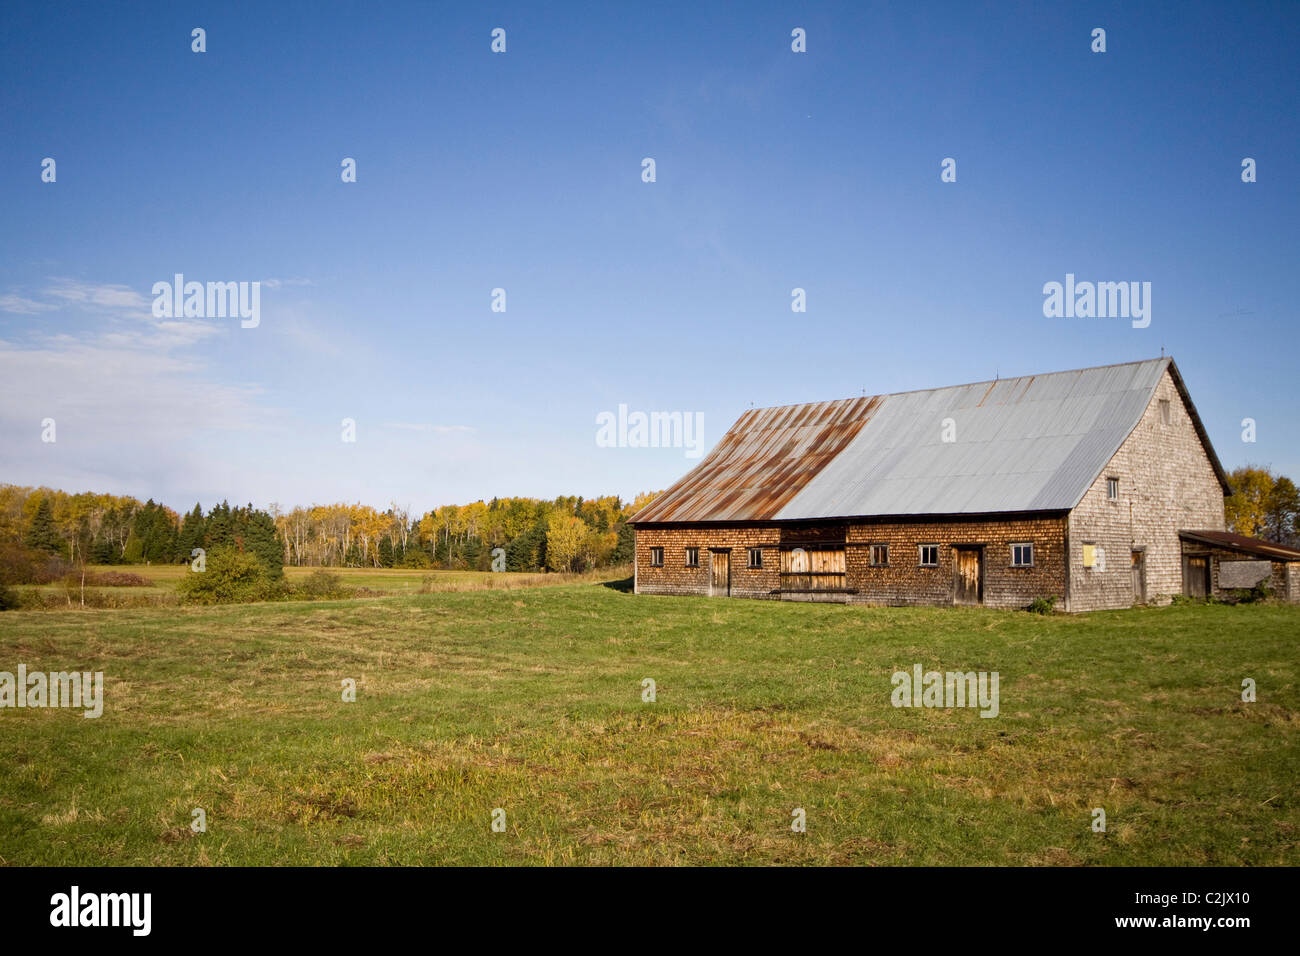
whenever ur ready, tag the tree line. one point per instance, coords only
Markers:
(513, 534)
(1263, 505)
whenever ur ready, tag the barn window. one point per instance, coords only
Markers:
(1164, 412)
(929, 555)
(880, 555)
(1112, 489)
(692, 557)
(656, 557)
(1022, 555)
(755, 557)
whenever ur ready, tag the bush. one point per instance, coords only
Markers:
(22, 565)
(231, 577)
(1042, 605)
(322, 586)
(1259, 593)
(118, 579)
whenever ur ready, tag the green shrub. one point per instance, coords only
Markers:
(1260, 592)
(1042, 605)
(231, 577)
(322, 586)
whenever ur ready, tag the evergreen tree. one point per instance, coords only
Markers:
(42, 533)
(190, 535)
(218, 531)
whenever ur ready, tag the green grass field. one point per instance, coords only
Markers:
(530, 700)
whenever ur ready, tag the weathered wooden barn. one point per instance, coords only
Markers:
(1098, 487)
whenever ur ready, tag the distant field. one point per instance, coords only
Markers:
(530, 701)
(387, 580)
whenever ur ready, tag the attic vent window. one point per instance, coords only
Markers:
(1112, 489)
(692, 557)
(1164, 411)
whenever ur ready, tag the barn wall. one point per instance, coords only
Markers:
(905, 582)
(675, 578)
(1166, 482)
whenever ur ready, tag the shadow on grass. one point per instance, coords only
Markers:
(622, 584)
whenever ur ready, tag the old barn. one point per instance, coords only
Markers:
(1098, 487)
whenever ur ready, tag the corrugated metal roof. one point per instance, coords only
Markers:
(1034, 443)
(762, 462)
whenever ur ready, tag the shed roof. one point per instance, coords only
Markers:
(1034, 443)
(1242, 544)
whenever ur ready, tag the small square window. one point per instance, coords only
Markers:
(1165, 413)
(656, 557)
(755, 557)
(929, 555)
(880, 555)
(1022, 555)
(692, 557)
(1112, 489)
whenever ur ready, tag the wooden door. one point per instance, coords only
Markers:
(1139, 564)
(720, 576)
(970, 576)
(1196, 575)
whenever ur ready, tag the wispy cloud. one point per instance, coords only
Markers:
(108, 296)
(423, 427)
(20, 305)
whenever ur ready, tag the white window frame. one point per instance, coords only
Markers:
(1022, 544)
(920, 556)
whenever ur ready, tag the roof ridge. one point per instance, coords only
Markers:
(935, 388)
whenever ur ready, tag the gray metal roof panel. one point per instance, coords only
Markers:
(1030, 443)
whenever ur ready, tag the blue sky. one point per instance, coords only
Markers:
(522, 171)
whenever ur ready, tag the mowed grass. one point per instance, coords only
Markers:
(531, 701)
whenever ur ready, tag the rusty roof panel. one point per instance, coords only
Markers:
(762, 462)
